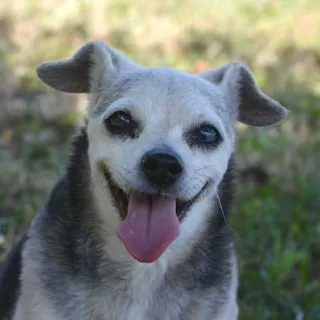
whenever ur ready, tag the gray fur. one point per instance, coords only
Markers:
(74, 265)
(254, 107)
(84, 71)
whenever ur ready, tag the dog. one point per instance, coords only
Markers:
(137, 227)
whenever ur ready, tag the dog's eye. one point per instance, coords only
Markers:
(205, 135)
(121, 123)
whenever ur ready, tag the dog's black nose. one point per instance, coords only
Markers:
(161, 167)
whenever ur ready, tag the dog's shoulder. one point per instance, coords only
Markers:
(10, 271)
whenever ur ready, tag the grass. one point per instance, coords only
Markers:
(277, 229)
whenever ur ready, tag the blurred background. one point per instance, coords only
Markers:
(276, 217)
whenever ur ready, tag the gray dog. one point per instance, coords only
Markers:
(137, 226)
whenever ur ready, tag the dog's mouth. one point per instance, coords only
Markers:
(121, 199)
(150, 222)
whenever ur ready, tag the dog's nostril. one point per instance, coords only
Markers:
(161, 167)
(175, 169)
(150, 164)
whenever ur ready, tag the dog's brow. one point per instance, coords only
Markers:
(109, 95)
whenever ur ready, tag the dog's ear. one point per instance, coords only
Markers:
(95, 65)
(244, 97)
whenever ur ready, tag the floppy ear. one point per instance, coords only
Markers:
(93, 66)
(243, 95)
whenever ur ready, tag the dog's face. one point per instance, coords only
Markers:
(163, 132)
(159, 139)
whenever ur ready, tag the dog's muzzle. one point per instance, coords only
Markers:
(150, 221)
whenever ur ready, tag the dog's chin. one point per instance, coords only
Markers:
(121, 198)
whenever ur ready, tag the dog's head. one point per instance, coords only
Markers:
(159, 139)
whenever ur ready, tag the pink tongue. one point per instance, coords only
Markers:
(150, 226)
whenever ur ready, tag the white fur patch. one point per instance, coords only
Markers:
(164, 119)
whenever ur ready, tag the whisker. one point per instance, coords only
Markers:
(205, 167)
(224, 216)
(202, 181)
(205, 175)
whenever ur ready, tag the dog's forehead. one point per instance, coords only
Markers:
(167, 93)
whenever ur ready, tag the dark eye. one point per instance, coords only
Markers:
(122, 123)
(205, 135)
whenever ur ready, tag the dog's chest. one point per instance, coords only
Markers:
(145, 294)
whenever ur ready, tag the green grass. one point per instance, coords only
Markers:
(276, 215)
